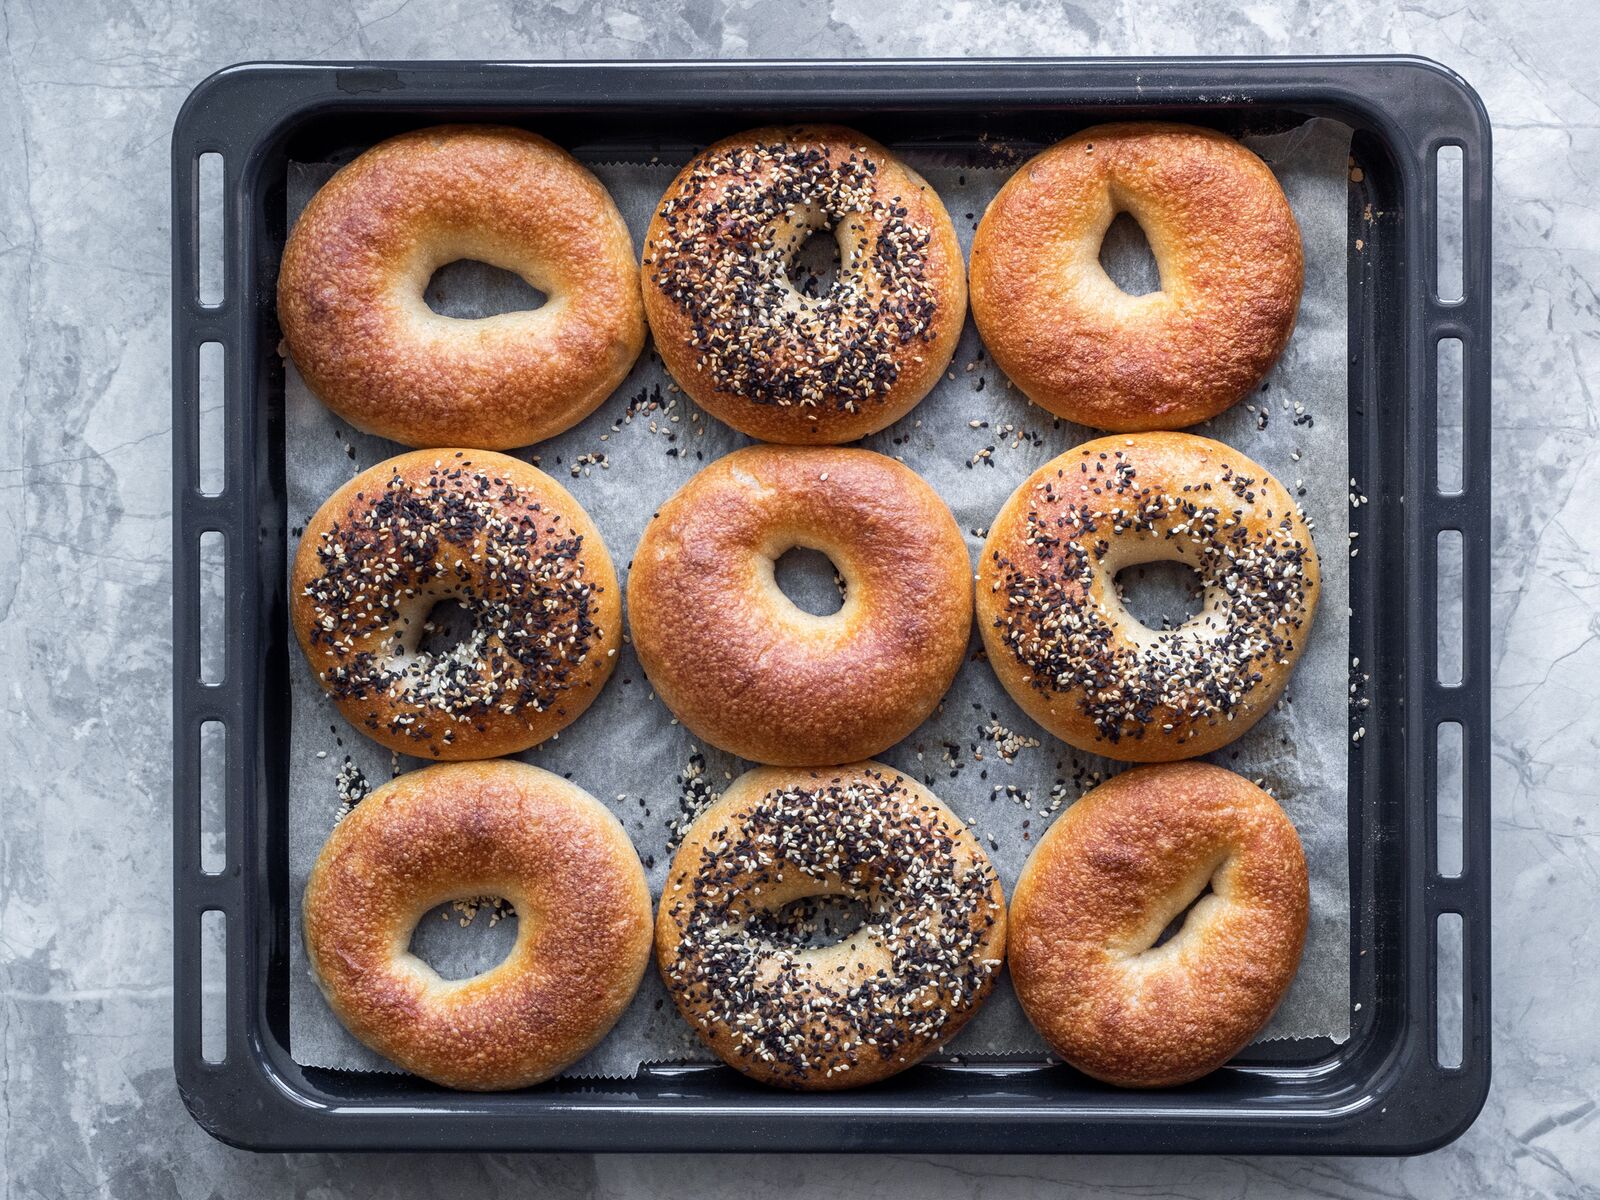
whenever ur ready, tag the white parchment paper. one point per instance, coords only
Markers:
(628, 752)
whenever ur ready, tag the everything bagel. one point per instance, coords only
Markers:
(858, 1010)
(745, 343)
(1061, 641)
(504, 542)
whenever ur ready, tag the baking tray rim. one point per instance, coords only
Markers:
(816, 85)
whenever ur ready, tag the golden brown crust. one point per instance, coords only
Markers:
(751, 673)
(1231, 263)
(463, 830)
(903, 214)
(549, 606)
(358, 259)
(1110, 875)
(847, 1014)
(1078, 663)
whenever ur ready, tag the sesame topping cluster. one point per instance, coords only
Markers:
(929, 912)
(468, 535)
(726, 259)
(1251, 561)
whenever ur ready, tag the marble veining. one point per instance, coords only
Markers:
(88, 92)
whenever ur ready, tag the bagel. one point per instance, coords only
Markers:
(739, 337)
(1225, 241)
(350, 290)
(746, 669)
(500, 539)
(841, 1015)
(1056, 631)
(1114, 872)
(463, 830)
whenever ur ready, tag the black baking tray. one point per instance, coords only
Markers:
(1382, 1092)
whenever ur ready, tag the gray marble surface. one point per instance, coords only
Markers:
(87, 97)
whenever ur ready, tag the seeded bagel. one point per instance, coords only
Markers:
(1065, 647)
(497, 537)
(738, 335)
(822, 1017)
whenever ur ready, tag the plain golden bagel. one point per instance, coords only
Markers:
(1101, 886)
(1059, 638)
(350, 291)
(770, 1000)
(753, 674)
(750, 347)
(1225, 241)
(459, 831)
(496, 537)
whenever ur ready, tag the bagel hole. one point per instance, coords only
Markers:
(811, 580)
(1125, 256)
(810, 922)
(1160, 595)
(467, 289)
(1175, 926)
(446, 628)
(814, 268)
(463, 938)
